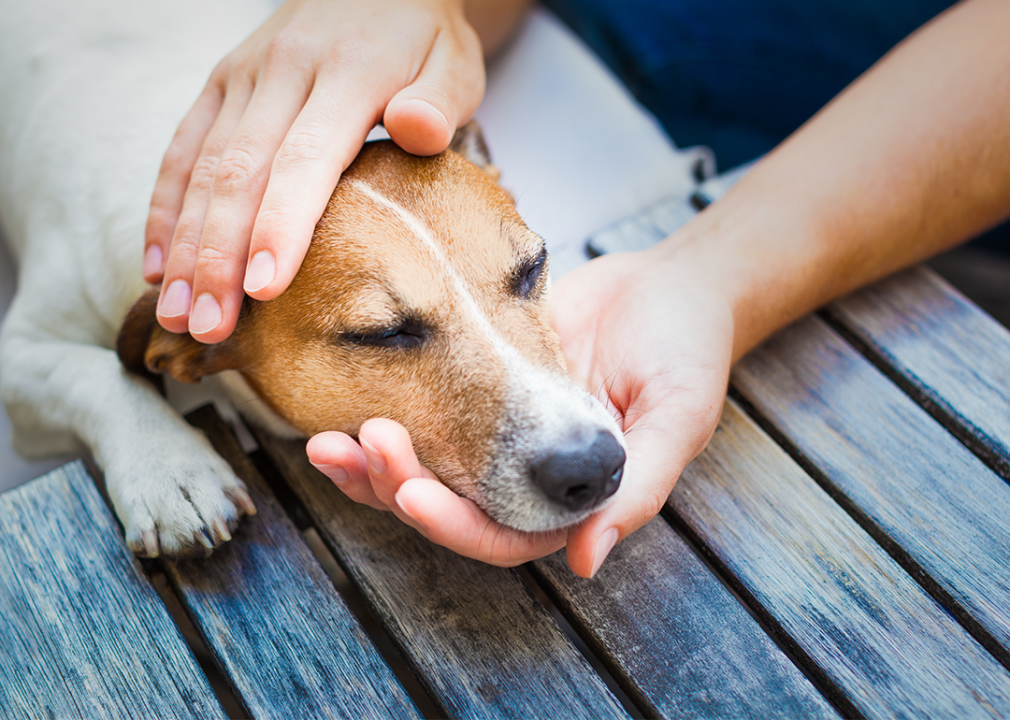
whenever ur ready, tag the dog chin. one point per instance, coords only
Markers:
(509, 499)
(536, 515)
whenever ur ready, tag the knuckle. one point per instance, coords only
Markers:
(653, 504)
(224, 70)
(174, 161)
(271, 220)
(201, 176)
(236, 170)
(304, 144)
(212, 256)
(213, 263)
(160, 223)
(288, 47)
(185, 242)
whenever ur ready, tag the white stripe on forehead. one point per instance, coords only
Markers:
(534, 392)
(419, 229)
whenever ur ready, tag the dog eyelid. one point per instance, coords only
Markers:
(406, 333)
(526, 277)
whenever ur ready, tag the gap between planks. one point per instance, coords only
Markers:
(911, 567)
(387, 647)
(960, 427)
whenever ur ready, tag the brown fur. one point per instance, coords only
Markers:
(363, 270)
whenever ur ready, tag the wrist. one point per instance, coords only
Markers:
(762, 260)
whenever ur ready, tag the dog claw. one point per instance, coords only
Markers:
(205, 539)
(244, 501)
(150, 541)
(221, 530)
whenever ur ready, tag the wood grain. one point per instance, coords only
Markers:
(274, 621)
(917, 488)
(677, 640)
(833, 594)
(476, 636)
(84, 634)
(949, 355)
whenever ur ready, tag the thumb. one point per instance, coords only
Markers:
(423, 116)
(655, 462)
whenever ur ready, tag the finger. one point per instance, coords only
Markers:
(239, 184)
(390, 457)
(461, 526)
(445, 518)
(324, 139)
(422, 117)
(176, 298)
(173, 177)
(342, 460)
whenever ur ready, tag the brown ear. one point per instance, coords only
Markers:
(469, 142)
(145, 348)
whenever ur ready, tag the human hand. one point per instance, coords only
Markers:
(383, 472)
(653, 340)
(255, 160)
(654, 343)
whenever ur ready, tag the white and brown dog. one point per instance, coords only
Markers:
(423, 298)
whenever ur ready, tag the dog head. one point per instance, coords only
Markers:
(422, 298)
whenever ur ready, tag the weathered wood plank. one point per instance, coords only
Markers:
(677, 641)
(477, 638)
(925, 494)
(84, 634)
(867, 628)
(274, 621)
(943, 350)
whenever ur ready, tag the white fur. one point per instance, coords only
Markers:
(90, 96)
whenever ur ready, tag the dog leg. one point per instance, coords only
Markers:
(89, 99)
(173, 493)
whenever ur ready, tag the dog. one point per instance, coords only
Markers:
(423, 298)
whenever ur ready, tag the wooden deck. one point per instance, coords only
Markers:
(841, 549)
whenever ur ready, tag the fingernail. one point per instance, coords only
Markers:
(399, 504)
(261, 271)
(376, 463)
(398, 498)
(206, 315)
(176, 300)
(437, 112)
(334, 472)
(152, 261)
(603, 547)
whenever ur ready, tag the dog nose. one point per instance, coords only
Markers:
(582, 471)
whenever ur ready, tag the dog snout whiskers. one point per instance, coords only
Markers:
(582, 471)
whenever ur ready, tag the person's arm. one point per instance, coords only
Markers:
(255, 160)
(912, 158)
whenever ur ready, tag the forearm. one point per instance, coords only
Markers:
(911, 159)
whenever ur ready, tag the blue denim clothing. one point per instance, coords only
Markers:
(740, 75)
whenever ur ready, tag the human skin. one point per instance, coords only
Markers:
(912, 158)
(254, 162)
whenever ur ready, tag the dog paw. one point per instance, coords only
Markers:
(183, 504)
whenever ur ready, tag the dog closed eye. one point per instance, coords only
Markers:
(407, 333)
(525, 281)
